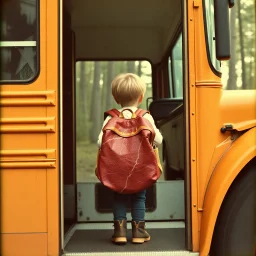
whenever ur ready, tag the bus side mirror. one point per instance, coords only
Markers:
(222, 34)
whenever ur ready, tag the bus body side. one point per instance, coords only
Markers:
(29, 146)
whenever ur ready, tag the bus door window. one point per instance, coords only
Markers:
(176, 70)
(172, 127)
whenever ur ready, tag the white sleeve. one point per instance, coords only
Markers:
(158, 138)
(101, 132)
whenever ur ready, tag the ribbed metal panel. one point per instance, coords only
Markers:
(107, 226)
(93, 240)
(160, 253)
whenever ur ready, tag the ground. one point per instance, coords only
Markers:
(86, 155)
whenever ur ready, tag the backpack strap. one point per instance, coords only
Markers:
(112, 112)
(141, 112)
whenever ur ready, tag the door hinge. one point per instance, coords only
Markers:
(196, 3)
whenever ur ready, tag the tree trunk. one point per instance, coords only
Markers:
(96, 104)
(82, 101)
(232, 62)
(131, 66)
(110, 76)
(139, 69)
(253, 84)
(104, 72)
(241, 36)
(253, 55)
(250, 72)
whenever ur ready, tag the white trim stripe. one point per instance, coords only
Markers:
(150, 225)
(17, 43)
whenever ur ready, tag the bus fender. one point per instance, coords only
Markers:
(240, 153)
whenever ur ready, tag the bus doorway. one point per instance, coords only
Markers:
(87, 204)
(165, 200)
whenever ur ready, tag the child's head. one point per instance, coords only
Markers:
(128, 89)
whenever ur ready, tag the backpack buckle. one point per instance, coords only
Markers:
(122, 115)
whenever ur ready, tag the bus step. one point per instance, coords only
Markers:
(167, 238)
(144, 253)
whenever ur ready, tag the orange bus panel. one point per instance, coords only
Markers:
(24, 245)
(23, 200)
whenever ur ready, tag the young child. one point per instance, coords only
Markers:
(128, 91)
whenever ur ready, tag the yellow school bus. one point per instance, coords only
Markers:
(57, 61)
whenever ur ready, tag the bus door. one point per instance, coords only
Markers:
(95, 68)
(68, 122)
(29, 128)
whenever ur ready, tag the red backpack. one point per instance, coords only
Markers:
(127, 162)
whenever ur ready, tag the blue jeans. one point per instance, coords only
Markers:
(137, 204)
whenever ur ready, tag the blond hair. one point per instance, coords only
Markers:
(127, 88)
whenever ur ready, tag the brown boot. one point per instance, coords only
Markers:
(119, 236)
(139, 234)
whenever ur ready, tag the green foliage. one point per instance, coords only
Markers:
(86, 155)
(243, 54)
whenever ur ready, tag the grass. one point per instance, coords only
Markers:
(86, 155)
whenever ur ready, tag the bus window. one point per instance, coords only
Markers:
(93, 98)
(176, 70)
(19, 41)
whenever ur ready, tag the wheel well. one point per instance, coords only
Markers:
(220, 189)
(240, 176)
